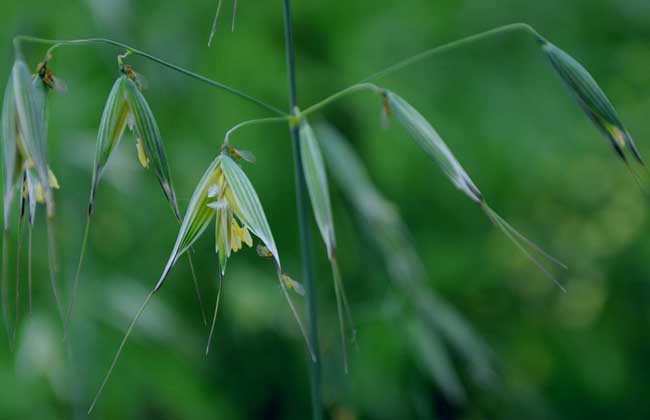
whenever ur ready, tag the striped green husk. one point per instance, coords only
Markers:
(196, 220)
(249, 208)
(592, 100)
(430, 141)
(316, 179)
(10, 164)
(30, 107)
(111, 128)
(147, 129)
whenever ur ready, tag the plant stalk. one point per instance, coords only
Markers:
(56, 43)
(308, 273)
(453, 45)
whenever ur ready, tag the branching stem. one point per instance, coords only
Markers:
(56, 43)
(453, 45)
(253, 122)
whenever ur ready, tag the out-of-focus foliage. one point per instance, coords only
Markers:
(499, 107)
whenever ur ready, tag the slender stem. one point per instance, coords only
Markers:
(75, 283)
(51, 252)
(19, 245)
(303, 221)
(365, 85)
(216, 311)
(253, 122)
(120, 348)
(58, 43)
(29, 265)
(453, 45)
(339, 95)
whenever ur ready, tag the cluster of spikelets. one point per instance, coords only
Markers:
(25, 169)
(226, 196)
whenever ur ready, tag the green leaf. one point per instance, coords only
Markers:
(147, 129)
(424, 134)
(592, 100)
(248, 207)
(111, 128)
(197, 217)
(32, 125)
(316, 179)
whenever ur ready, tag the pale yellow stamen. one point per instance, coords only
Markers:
(617, 134)
(54, 183)
(142, 156)
(40, 194)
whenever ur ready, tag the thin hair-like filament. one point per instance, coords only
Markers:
(119, 350)
(216, 310)
(297, 317)
(516, 238)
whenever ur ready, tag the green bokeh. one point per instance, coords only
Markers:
(500, 108)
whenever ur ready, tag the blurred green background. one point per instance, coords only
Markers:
(500, 108)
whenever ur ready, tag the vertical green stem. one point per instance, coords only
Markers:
(305, 232)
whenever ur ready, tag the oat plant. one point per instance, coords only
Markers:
(226, 201)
